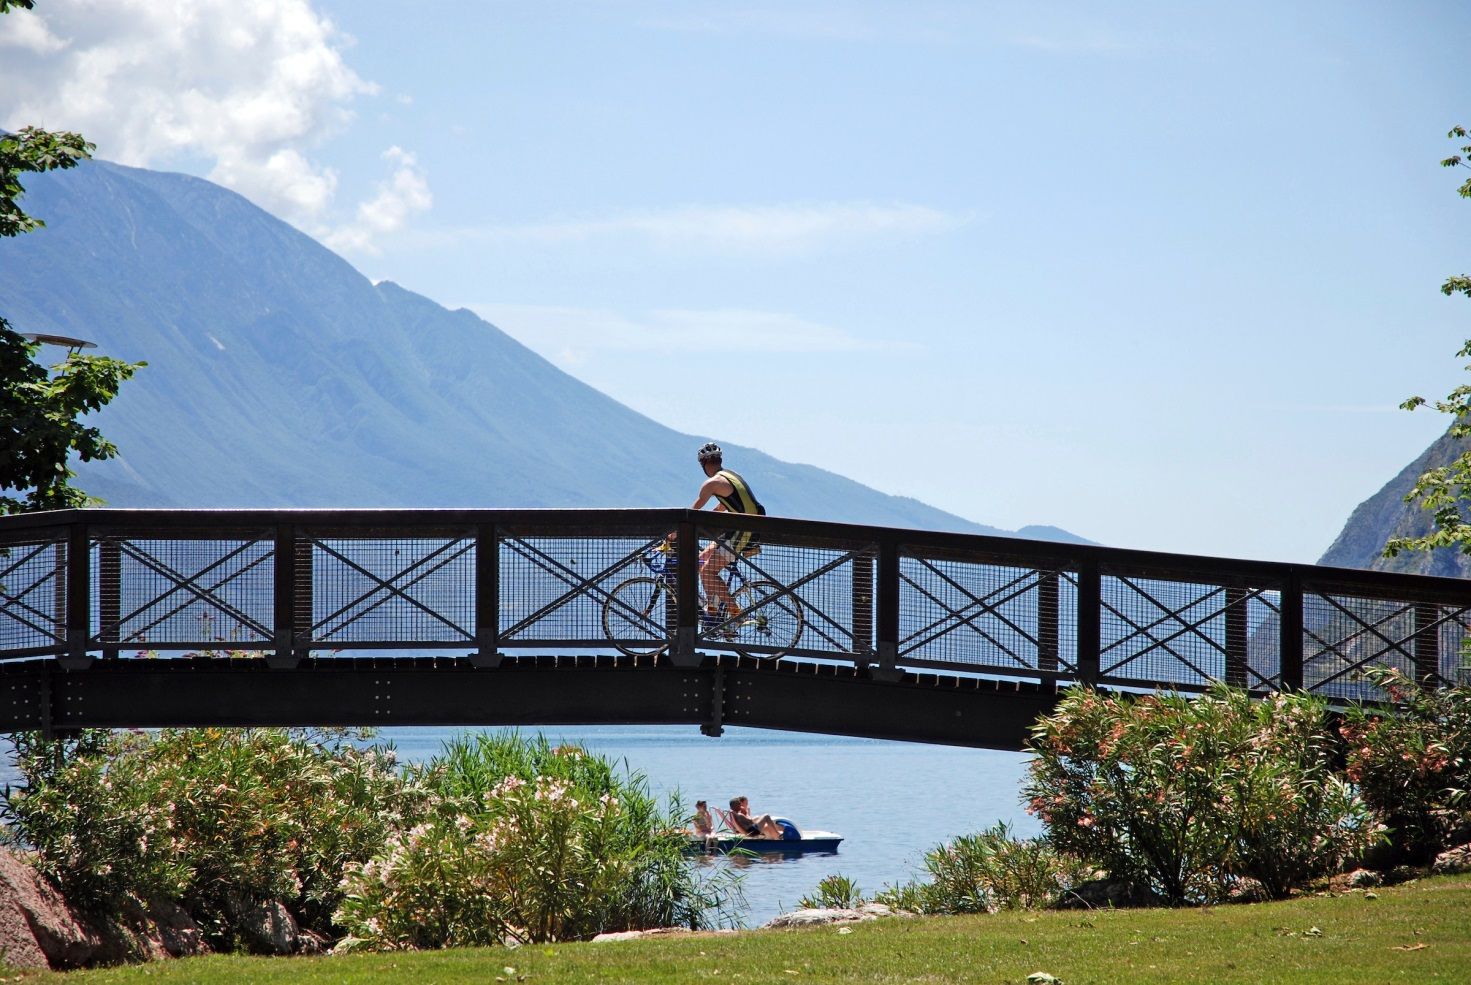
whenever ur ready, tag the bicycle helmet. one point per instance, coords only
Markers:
(709, 452)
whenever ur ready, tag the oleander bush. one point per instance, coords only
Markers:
(529, 843)
(213, 818)
(1413, 766)
(987, 872)
(1186, 797)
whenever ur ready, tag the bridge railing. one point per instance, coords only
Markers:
(125, 584)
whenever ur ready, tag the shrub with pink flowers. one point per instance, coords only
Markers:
(524, 843)
(1412, 763)
(1185, 797)
(215, 819)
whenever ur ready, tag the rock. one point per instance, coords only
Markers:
(1247, 890)
(266, 927)
(882, 910)
(818, 917)
(1362, 879)
(1105, 893)
(1452, 861)
(176, 931)
(633, 935)
(37, 928)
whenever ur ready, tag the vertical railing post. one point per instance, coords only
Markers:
(1049, 620)
(1236, 637)
(78, 598)
(886, 615)
(1427, 643)
(109, 595)
(284, 656)
(862, 607)
(1290, 646)
(487, 598)
(686, 577)
(1090, 622)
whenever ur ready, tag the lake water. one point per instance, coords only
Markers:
(891, 801)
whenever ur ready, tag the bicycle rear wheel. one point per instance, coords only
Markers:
(634, 616)
(768, 619)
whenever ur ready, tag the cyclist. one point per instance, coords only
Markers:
(733, 495)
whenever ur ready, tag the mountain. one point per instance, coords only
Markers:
(280, 376)
(1386, 514)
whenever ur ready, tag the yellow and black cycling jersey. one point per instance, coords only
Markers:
(740, 500)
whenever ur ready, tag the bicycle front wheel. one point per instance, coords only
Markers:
(768, 619)
(637, 614)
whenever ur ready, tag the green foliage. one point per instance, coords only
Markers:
(988, 872)
(834, 892)
(525, 842)
(1413, 767)
(32, 151)
(39, 430)
(208, 817)
(1185, 796)
(1441, 490)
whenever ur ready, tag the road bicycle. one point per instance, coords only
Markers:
(638, 613)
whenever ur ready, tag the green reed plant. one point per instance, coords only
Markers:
(1412, 763)
(529, 842)
(1187, 796)
(834, 892)
(986, 872)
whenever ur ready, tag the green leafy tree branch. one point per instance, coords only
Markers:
(39, 407)
(1442, 490)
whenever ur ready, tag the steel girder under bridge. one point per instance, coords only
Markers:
(479, 617)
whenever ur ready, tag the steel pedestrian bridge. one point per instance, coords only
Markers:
(142, 618)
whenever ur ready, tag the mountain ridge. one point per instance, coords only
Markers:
(280, 376)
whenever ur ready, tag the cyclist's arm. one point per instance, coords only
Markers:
(714, 486)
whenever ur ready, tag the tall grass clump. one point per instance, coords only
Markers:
(988, 872)
(1412, 763)
(526, 842)
(1185, 797)
(214, 819)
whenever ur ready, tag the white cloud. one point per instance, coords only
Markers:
(573, 335)
(250, 87)
(398, 198)
(763, 229)
(26, 30)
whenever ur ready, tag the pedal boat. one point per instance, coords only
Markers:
(795, 842)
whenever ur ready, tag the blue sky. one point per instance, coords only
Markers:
(1156, 273)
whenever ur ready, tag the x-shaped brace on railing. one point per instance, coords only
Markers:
(18, 600)
(1186, 627)
(786, 590)
(184, 583)
(393, 591)
(575, 579)
(1366, 629)
(983, 606)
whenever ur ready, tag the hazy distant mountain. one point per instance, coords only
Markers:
(1386, 514)
(280, 376)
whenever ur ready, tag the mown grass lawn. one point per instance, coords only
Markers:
(1420, 932)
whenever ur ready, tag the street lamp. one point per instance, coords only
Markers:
(73, 346)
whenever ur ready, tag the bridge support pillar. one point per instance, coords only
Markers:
(74, 655)
(886, 618)
(287, 557)
(682, 651)
(715, 727)
(1237, 634)
(1090, 623)
(487, 598)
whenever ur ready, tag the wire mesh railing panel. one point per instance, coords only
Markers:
(771, 596)
(1344, 635)
(556, 591)
(173, 593)
(991, 614)
(1452, 632)
(33, 593)
(391, 589)
(1165, 631)
(1263, 641)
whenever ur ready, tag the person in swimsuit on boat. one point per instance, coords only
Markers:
(752, 827)
(733, 495)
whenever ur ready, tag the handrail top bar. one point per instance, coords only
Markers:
(1021, 549)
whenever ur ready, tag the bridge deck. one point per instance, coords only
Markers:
(152, 617)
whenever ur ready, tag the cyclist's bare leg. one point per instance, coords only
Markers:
(715, 559)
